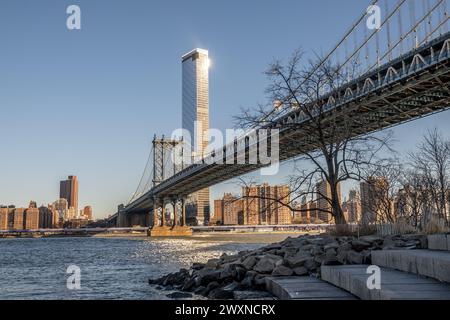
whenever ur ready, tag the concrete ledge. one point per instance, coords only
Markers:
(177, 231)
(439, 242)
(305, 288)
(394, 284)
(433, 264)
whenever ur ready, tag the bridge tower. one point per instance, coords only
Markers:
(165, 159)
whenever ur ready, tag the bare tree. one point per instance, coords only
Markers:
(332, 142)
(432, 162)
(383, 184)
(415, 202)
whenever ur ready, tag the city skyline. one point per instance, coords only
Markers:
(79, 74)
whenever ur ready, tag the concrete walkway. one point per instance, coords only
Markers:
(394, 284)
(305, 288)
(429, 263)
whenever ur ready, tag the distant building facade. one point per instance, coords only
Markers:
(352, 207)
(371, 192)
(31, 218)
(62, 207)
(5, 218)
(87, 213)
(258, 206)
(323, 198)
(68, 189)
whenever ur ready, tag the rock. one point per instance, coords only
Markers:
(206, 276)
(388, 242)
(197, 266)
(226, 274)
(372, 239)
(229, 258)
(300, 271)
(239, 273)
(311, 265)
(188, 285)
(316, 241)
(273, 257)
(265, 265)
(244, 253)
(249, 263)
(252, 273)
(289, 252)
(251, 295)
(232, 286)
(342, 256)
(316, 251)
(220, 293)
(360, 245)
(332, 245)
(344, 247)
(331, 259)
(179, 295)
(212, 263)
(320, 258)
(282, 271)
(298, 260)
(176, 278)
(200, 290)
(272, 246)
(247, 282)
(307, 247)
(211, 286)
(354, 257)
(259, 282)
(367, 256)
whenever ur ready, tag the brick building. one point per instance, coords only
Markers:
(258, 206)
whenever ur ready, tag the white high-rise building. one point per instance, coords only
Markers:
(195, 119)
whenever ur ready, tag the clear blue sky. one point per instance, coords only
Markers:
(88, 102)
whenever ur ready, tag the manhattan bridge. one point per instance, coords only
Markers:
(403, 74)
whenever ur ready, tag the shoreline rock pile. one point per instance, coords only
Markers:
(242, 276)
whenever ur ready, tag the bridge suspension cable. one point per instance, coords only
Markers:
(146, 178)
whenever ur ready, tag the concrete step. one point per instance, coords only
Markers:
(439, 242)
(395, 285)
(433, 264)
(305, 288)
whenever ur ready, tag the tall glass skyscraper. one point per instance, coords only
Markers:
(195, 119)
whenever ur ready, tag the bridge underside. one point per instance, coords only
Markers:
(411, 87)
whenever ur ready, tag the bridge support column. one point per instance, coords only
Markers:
(183, 211)
(163, 213)
(174, 230)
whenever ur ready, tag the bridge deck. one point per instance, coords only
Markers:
(410, 87)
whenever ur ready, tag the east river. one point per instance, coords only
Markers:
(111, 267)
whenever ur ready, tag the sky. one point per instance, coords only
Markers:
(88, 102)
